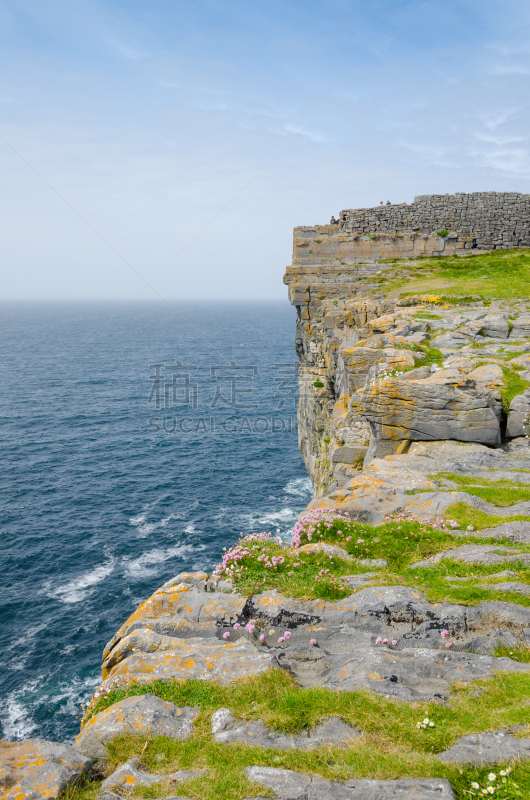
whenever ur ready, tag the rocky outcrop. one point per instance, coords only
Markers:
(146, 714)
(35, 769)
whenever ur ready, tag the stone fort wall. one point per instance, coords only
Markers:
(490, 220)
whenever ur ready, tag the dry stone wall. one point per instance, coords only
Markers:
(467, 222)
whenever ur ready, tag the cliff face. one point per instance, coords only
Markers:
(378, 370)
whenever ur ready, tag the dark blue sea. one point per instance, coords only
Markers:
(137, 442)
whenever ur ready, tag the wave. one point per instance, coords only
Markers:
(15, 718)
(145, 528)
(77, 589)
(144, 566)
(301, 487)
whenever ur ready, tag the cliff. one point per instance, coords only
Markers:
(385, 652)
(357, 329)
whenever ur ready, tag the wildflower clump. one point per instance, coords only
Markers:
(317, 525)
(501, 786)
(425, 723)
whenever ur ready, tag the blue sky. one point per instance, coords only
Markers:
(179, 142)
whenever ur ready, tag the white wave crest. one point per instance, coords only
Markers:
(145, 528)
(144, 566)
(301, 487)
(78, 588)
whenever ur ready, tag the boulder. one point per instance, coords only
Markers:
(289, 785)
(333, 731)
(479, 554)
(518, 415)
(331, 550)
(37, 769)
(520, 328)
(496, 326)
(146, 714)
(487, 748)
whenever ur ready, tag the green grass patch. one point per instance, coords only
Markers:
(513, 386)
(502, 274)
(391, 747)
(467, 515)
(471, 480)
(426, 315)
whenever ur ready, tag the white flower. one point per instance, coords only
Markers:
(492, 777)
(490, 789)
(503, 773)
(431, 724)
(475, 785)
(426, 721)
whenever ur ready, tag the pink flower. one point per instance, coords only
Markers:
(236, 625)
(312, 642)
(360, 541)
(287, 635)
(385, 641)
(394, 642)
(444, 633)
(249, 627)
(378, 640)
(262, 638)
(281, 639)
(448, 645)
(226, 635)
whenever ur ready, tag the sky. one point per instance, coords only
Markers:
(167, 148)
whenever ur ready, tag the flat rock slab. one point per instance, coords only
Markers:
(37, 769)
(183, 659)
(486, 554)
(515, 531)
(146, 714)
(507, 573)
(333, 731)
(509, 586)
(128, 776)
(289, 785)
(413, 674)
(487, 748)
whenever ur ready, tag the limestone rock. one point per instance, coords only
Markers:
(289, 785)
(429, 409)
(37, 769)
(146, 714)
(519, 412)
(328, 550)
(182, 659)
(333, 731)
(182, 610)
(414, 675)
(487, 748)
(128, 776)
(509, 586)
(480, 554)
(516, 531)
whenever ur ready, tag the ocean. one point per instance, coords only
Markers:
(138, 441)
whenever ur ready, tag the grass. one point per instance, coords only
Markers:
(503, 274)
(399, 542)
(499, 493)
(467, 515)
(513, 385)
(391, 746)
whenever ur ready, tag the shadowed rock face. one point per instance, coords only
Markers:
(36, 768)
